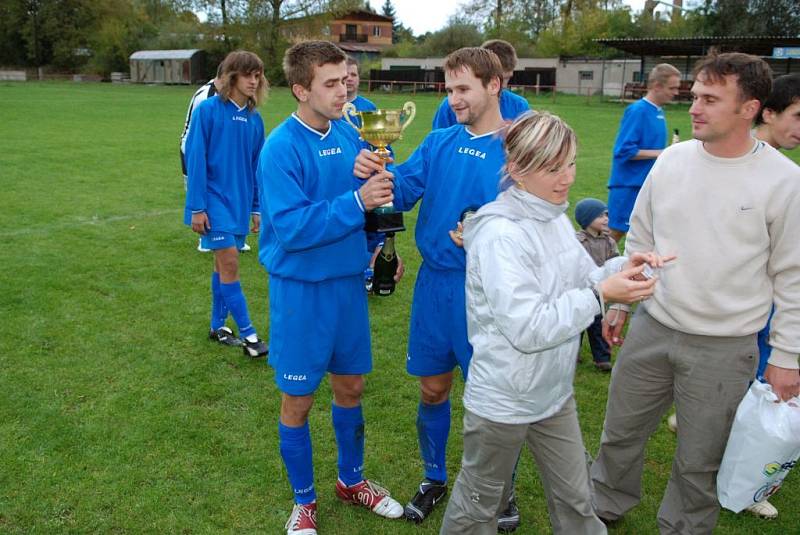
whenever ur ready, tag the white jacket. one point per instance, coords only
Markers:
(529, 297)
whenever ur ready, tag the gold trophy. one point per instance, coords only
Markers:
(380, 128)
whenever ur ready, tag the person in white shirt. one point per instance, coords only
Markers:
(728, 206)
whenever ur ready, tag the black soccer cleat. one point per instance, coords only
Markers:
(421, 505)
(224, 336)
(508, 520)
(255, 349)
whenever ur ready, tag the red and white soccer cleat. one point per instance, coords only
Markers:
(303, 520)
(374, 497)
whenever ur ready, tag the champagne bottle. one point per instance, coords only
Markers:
(385, 268)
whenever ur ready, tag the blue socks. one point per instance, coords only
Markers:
(348, 426)
(295, 445)
(433, 428)
(219, 311)
(234, 299)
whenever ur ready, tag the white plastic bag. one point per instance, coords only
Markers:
(763, 446)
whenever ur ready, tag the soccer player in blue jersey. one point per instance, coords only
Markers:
(511, 104)
(225, 138)
(314, 248)
(206, 91)
(374, 239)
(641, 138)
(454, 170)
(353, 79)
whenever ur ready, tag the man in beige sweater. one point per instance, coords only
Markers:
(726, 205)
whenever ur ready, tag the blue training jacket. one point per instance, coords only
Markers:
(313, 224)
(643, 127)
(222, 151)
(511, 107)
(452, 170)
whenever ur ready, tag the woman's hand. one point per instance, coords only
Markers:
(628, 286)
(651, 259)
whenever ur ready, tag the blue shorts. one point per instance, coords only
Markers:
(437, 338)
(316, 328)
(620, 207)
(222, 240)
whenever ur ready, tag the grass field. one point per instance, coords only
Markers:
(116, 413)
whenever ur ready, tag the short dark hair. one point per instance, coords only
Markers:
(300, 60)
(484, 63)
(785, 92)
(352, 61)
(505, 51)
(753, 75)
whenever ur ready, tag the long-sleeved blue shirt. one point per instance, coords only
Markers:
(643, 127)
(222, 151)
(361, 104)
(452, 170)
(511, 107)
(313, 224)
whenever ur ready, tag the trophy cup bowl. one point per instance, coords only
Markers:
(380, 128)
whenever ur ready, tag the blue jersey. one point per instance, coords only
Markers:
(222, 151)
(643, 127)
(361, 104)
(313, 224)
(511, 107)
(452, 170)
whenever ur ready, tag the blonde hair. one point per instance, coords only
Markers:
(536, 141)
(661, 74)
(241, 62)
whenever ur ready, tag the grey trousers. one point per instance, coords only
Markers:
(707, 377)
(491, 450)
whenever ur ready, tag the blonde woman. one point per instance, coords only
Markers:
(531, 289)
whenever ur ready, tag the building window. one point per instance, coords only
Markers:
(637, 76)
(586, 75)
(376, 31)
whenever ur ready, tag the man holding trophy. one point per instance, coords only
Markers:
(379, 128)
(454, 170)
(314, 247)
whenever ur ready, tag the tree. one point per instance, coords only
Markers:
(455, 35)
(13, 48)
(496, 17)
(399, 32)
(752, 17)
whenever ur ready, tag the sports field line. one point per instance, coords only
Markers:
(90, 220)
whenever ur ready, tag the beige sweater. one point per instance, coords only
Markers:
(734, 225)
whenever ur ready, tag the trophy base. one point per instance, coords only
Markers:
(386, 222)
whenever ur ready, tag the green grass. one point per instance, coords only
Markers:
(118, 416)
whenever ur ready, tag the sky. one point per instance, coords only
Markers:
(431, 15)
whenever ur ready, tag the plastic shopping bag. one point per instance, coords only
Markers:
(763, 446)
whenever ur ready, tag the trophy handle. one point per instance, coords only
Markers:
(409, 111)
(349, 110)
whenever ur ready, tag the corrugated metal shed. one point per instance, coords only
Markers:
(168, 66)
